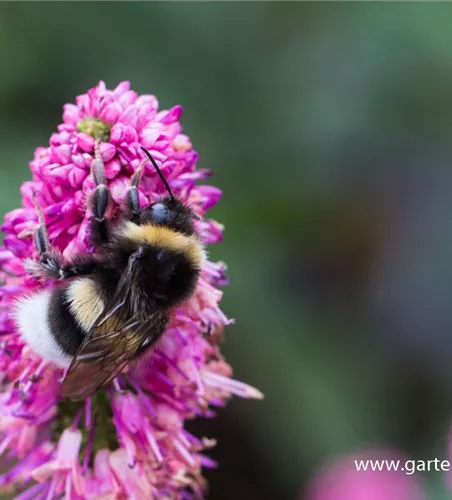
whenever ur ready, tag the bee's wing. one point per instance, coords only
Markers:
(111, 344)
(102, 356)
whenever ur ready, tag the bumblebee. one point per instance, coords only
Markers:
(108, 307)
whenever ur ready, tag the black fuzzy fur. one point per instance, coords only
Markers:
(62, 323)
(159, 279)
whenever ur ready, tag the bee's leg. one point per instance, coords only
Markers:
(100, 233)
(41, 238)
(133, 195)
(49, 260)
(51, 265)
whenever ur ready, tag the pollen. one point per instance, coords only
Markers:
(95, 128)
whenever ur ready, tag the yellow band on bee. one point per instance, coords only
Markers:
(163, 237)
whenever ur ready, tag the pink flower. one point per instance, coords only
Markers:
(340, 480)
(65, 468)
(126, 441)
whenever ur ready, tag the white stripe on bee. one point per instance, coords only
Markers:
(32, 320)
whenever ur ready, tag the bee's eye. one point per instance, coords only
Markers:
(160, 213)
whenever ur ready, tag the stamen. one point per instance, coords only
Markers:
(184, 440)
(184, 453)
(197, 378)
(172, 363)
(208, 462)
(145, 400)
(77, 418)
(5, 444)
(171, 401)
(89, 444)
(130, 454)
(32, 493)
(88, 408)
(122, 381)
(63, 376)
(231, 385)
(193, 440)
(198, 492)
(223, 317)
(181, 336)
(68, 487)
(22, 414)
(117, 386)
(26, 372)
(52, 487)
(166, 380)
(40, 368)
(153, 444)
(37, 373)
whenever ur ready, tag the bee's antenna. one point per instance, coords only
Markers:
(148, 154)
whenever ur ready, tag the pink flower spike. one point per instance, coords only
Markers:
(128, 440)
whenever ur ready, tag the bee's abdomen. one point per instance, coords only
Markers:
(54, 322)
(85, 301)
(34, 322)
(62, 322)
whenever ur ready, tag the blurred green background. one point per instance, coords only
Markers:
(328, 126)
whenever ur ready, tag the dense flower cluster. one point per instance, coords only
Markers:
(129, 440)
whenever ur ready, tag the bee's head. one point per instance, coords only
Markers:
(160, 244)
(169, 212)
